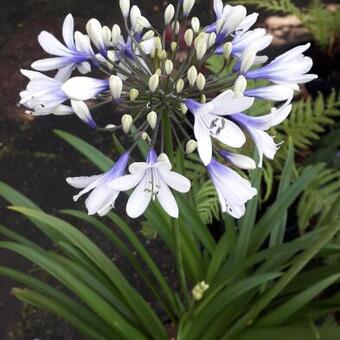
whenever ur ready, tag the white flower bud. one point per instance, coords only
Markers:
(203, 99)
(200, 82)
(212, 39)
(148, 35)
(133, 94)
(154, 82)
(116, 86)
(175, 27)
(163, 157)
(227, 47)
(187, 6)
(153, 52)
(158, 71)
(152, 119)
(183, 108)
(144, 135)
(127, 123)
(192, 75)
(169, 14)
(189, 37)
(199, 290)
(95, 32)
(107, 35)
(125, 7)
(168, 66)
(240, 86)
(201, 48)
(180, 86)
(174, 46)
(116, 33)
(111, 56)
(162, 55)
(158, 43)
(110, 126)
(247, 60)
(191, 146)
(195, 24)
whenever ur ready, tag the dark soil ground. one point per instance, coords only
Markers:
(34, 161)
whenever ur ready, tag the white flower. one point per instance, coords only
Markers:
(116, 86)
(77, 51)
(256, 127)
(152, 180)
(232, 189)
(103, 197)
(210, 123)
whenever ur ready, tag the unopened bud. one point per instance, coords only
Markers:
(227, 47)
(203, 99)
(144, 135)
(174, 46)
(148, 35)
(240, 86)
(212, 39)
(169, 14)
(125, 7)
(133, 94)
(127, 123)
(191, 146)
(168, 66)
(200, 82)
(158, 43)
(199, 290)
(116, 33)
(175, 27)
(111, 57)
(187, 6)
(152, 119)
(158, 71)
(183, 108)
(153, 52)
(192, 75)
(154, 82)
(142, 22)
(116, 86)
(201, 48)
(195, 24)
(107, 35)
(247, 60)
(162, 55)
(110, 127)
(189, 37)
(163, 157)
(180, 86)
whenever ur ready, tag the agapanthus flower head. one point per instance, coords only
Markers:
(160, 86)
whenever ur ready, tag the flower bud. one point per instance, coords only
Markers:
(148, 35)
(111, 57)
(192, 75)
(183, 108)
(191, 146)
(144, 135)
(201, 48)
(175, 26)
(240, 86)
(134, 93)
(227, 47)
(153, 52)
(142, 23)
(158, 71)
(107, 35)
(247, 60)
(187, 6)
(116, 86)
(152, 119)
(195, 24)
(200, 82)
(95, 32)
(127, 123)
(199, 290)
(180, 86)
(189, 37)
(174, 46)
(168, 66)
(212, 39)
(169, 14)
(163, 157)
(110, 127)
(154, 82)
(125, 7)
(116, 33)
(162, 55)
(203, 99)
(158, 43)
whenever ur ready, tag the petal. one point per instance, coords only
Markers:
(68, 31)
(84, 67)
(65, 73)
(140, 198)
(84, 88)
(83, 112)
(48, 64)
(137, 167)
(99, 198)
(95, 31)
(218, 7)
(241, 161)
(126, 182)
(167, 200)
(83, 43)
(204, 144)
(175, 180)
(275, 92)
(52, 45)
(62, 110)
(82, 182)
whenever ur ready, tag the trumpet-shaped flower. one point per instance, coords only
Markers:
(152, 180)
(256, 127)
(102, 197)
(77, 51)
(232, 189)
(209, 122)
(288, 69)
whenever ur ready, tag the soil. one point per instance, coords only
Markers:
(34, 161)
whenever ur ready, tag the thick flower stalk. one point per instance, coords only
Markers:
(169, 102)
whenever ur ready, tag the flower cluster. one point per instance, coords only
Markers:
(144, 76)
